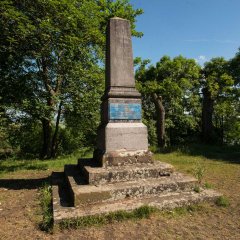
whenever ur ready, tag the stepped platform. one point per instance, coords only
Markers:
(86, 189)
(100, 175)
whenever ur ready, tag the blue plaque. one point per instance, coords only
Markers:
(125, 111)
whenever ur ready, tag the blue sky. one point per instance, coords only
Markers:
(199, 29)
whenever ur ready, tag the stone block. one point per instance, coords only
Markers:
(84, 194)
(101, 175)
(124, 158)
(123, 137)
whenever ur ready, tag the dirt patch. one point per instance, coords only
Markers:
(20, 214)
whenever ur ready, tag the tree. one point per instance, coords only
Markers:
(51, 54)
(234, 68)
(173, 86)
(232, 113)
(4, 144)
(216, 87)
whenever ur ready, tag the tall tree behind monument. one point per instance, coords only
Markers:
(49, 55)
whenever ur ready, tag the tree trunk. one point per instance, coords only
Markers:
(47, 132)
(54, 139)
(222, 130)
(160, 111)
(207, 115)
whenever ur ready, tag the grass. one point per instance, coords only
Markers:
(46, 205)
(199, 171)
(20, 165)
(97, 220)
(197, 189)
(208, 185)
(222, 202)
(119, 216)
(193, 159)
(182, 211)
(216, 152)
(200, 159)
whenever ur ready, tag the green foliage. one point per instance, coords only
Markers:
(51, 53)
(197, 189)
(217, 79)
(177, 82)
(234, 68)
(232, 119)
(208, 185)
(149, 118)
(52, 80)
(143, 212)
(181, 211)
(221, 108)
(82, 222)
(199, 171)
(5, 146)
(222, 201)
(122, 9)
(30, 134)
(226, 120)
(46, 205)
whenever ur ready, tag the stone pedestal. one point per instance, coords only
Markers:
(122, 137)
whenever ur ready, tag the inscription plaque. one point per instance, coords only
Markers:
(125, 111)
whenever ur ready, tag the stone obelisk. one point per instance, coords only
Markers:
(122, 137)
(121, 176)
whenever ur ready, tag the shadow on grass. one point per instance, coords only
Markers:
(17, 184)
(223, 153)
(16, 166)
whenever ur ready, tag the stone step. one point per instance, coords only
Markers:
(168, 200)
(100, 175)
(60, 185)
(85, 194)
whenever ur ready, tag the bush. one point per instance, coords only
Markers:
(46, 205)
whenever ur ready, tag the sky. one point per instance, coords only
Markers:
(199, 29)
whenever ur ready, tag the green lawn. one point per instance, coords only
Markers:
(185, 158)
(220, 164)
(20, 165)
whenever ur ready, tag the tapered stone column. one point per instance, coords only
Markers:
(122, 137)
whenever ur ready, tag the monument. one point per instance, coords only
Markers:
(122, 174)
(122, 137)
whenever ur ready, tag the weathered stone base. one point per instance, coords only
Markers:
(165, 201)
(122, 157)
(103, 175)
(86, 189)
(84, 194)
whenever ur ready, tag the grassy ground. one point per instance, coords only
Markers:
(34, 165)
(218, 168)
